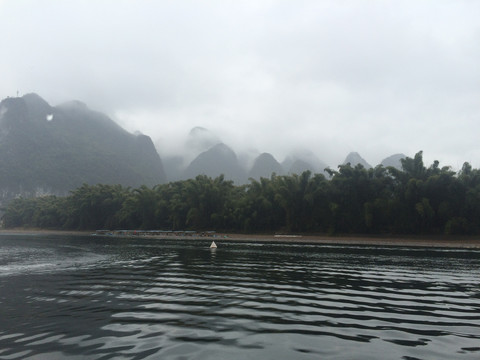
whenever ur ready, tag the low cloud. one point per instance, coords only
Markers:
(374, 77)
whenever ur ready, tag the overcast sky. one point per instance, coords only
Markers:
(376, 77)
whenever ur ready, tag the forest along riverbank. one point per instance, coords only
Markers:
(420, 241)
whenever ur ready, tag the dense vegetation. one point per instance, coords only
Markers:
(415, 200)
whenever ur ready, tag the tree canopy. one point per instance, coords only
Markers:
(352, 200)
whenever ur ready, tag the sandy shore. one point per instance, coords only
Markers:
(421, 241)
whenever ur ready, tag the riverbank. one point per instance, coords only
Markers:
(419, 241)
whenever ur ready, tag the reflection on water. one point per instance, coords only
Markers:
(104, 298)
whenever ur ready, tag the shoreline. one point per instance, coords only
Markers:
(469, 242)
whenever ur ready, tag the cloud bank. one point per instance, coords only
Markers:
(374, 77)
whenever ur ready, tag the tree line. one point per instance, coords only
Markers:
(351, 200)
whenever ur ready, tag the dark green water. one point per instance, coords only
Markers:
(105, 298)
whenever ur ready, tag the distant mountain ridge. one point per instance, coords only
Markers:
(52, 150)
(47, 149)
(215, 157)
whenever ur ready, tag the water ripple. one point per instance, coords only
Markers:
(178, 300)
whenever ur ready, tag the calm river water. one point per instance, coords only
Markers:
(109, 298)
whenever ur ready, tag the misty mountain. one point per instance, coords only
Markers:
(174, 167)
(264, 165)
(394, 160)
(201, 139)
(47, 149)
(219, 159)
(52, 150)
(299, 166)
(304, 160)
(354, 159)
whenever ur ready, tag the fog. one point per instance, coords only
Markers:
(332, 77)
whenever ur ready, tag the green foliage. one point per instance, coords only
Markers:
(42, 212)
(380, 200)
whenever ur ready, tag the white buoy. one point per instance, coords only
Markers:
(213, 245)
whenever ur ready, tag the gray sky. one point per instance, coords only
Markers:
(377, 77)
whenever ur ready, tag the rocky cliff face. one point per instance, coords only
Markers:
(56, 149)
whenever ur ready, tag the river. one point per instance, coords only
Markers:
(92, 297)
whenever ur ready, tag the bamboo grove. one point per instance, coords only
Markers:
(352, 200)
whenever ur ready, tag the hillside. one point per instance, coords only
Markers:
(47, 149)
(264, 166)
(355, 159)
(394, 160)
(219, 159)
